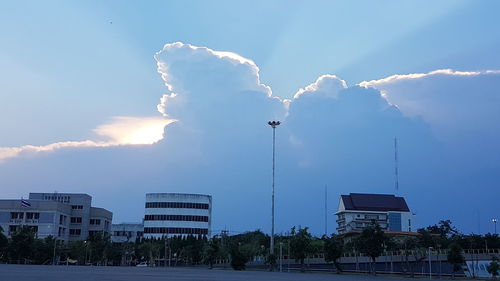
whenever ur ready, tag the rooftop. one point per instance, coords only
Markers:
(374, 202)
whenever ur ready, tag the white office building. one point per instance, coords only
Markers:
(356, 211)
(65, 216)
(127, 232)
(174, 214)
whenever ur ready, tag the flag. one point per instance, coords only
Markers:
(25, 203)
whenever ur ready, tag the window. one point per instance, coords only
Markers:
(75, 232)
(16, 215)
(13, 228)
(76, 219)
(95, 221)
(95, 232)
(62, 219)
(77, 207)
(33, 228)
(32, 216)
(61, 231)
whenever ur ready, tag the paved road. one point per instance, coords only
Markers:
(77, 273)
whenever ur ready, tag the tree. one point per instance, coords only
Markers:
(4, 242)
(333, 249)
(455, 257)
(211, 251)
(98, 244)
(493, 267)
(371, 243)
(238, 257)
(78, 251)
(300, 245)
(22, 244)
(43, 250)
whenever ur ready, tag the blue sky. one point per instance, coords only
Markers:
(85, 71)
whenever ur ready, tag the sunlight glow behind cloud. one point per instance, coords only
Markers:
(122, 130)
(134, 130)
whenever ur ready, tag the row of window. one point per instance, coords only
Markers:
(20, 215)
(127, 233)
(76, 219)
(183, 205)
(77, 207)
(95, 221)
(176, 230)
(59, 198)
(76, 232)
(175, 218)
(14, 228)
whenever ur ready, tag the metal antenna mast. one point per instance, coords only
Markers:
(396, 173)
(326, 211)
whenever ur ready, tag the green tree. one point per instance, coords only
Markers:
(493, 267)
(455, 257)
(300, 245)
(211, 251)
(98, 244)
(22, 245)
(333, 249)
(43, 250)
(78, 250)
(4, 242)
(371, 243)
(238, 257)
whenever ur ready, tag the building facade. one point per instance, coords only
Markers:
(174, 214)
(127, 232)
(65, 216)
(356, 211)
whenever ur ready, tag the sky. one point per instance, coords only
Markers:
(120, 98)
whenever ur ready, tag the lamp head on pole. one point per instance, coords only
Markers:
(494, 220)
(274, 123)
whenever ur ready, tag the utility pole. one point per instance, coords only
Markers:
(273, 124)
(495, 220)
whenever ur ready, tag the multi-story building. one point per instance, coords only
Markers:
(66, 216)
(356, 211)
(127, 232)
(173, 214)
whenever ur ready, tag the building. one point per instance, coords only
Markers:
(173, 214)
(356, 211)
(127, 232)
(66, 216)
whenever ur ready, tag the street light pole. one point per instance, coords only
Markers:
(54, 253)
(494, 220)
(85, 242)
(430, 264)
(273, 124)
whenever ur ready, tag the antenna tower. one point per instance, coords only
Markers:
(326, 211)
(396, 172)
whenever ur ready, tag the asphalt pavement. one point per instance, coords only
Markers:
(93, 273)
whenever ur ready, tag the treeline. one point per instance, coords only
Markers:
(238, 250)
